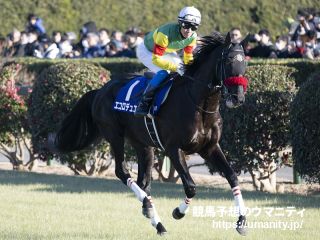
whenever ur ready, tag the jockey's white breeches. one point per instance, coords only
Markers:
(145, 56)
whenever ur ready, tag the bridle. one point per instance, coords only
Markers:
(222, 61)
(220, 75)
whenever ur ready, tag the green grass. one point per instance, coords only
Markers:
(40, 206)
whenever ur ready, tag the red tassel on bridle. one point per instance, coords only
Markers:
(232, 81)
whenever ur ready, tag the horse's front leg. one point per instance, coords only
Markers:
(177, 158)
(215, 157)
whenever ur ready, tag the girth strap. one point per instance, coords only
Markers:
(152, 130)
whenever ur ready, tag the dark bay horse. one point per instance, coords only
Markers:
(189, 121)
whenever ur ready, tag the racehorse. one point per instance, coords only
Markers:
(188, 122)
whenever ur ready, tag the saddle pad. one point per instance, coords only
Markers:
(129, 95)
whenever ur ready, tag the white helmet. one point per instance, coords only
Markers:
(190, 14)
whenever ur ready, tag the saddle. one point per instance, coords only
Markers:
(130, 94)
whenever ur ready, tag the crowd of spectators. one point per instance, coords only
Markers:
(34, 41)
(302, 40)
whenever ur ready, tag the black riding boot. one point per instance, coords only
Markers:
(146, 100)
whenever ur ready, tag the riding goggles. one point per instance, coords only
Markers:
(187, 25)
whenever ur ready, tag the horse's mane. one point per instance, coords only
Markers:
(206, 46)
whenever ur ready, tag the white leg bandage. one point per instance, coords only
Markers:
(241, 209)
(184, 206)
(155, 219)
(136, 189)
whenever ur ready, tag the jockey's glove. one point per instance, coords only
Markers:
(180, 69)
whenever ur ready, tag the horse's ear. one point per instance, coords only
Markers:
(227, 41)
(245, 41)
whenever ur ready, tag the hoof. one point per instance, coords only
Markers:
(160, 229)
(176, 214)
(242, 226)
(147, 209)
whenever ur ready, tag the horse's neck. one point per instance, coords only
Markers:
(202, 89)
(211, 103)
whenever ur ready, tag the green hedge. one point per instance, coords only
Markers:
(254, 133)
(304, 67)
(69, 15)
(12, 107)
(263, 118)
(305, 127)
(266, 77)
(55, 92)
(122, 67)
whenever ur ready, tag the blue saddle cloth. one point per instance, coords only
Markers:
(129, 95)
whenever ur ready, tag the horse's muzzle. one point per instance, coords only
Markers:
(233, 101)
(236, 99)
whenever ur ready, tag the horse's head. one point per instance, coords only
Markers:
(231, 72)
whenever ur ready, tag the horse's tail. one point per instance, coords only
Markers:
(78, 130)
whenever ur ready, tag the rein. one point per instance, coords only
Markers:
(217, 88)
(221, 76)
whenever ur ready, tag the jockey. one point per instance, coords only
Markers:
(158, 51)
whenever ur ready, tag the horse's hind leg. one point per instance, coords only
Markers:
(216, 157)
(121, 171)
(145, 164)
(177, 158)
(116, 141)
